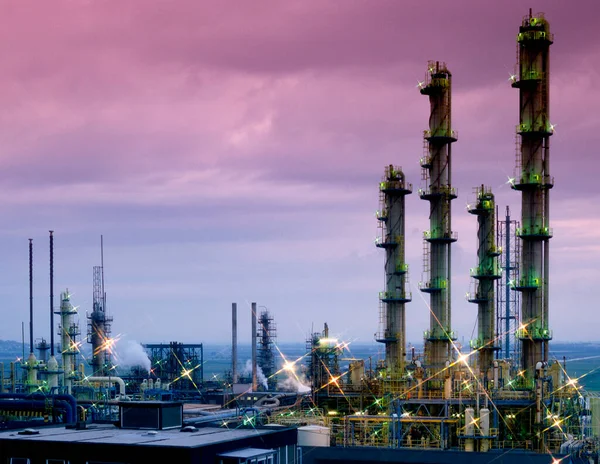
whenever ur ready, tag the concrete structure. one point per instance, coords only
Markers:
(392, 319)
(533, 180)
(438, 191)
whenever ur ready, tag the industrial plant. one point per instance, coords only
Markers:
(501, 398)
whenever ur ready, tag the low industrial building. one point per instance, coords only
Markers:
(107, 444)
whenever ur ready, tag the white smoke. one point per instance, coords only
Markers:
(293, 384)
(259, 374)
(129, 353)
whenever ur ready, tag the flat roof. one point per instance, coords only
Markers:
(246, 453)
(109, 434)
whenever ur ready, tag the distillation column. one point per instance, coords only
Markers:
(533, 180)
(69, 331)
(486, 273)
(266, 335)
(392, 192)
(437, 174)
(99, 325)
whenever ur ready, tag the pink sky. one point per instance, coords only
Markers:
(231, 151)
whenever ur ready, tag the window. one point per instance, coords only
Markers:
(56, 461)
(20, 461)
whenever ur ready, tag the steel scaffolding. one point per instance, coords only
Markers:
(508, 300)
(179, 364)
(99, 327)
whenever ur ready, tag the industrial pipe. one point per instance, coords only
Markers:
(115, 380)
(38, 405)
(39, 396)
(67, 399)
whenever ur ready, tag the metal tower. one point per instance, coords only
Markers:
(99, 327)
(486, 272)
(392, 332)
(437, 174)
(508, 301)
(323, 362)
(267, 334)
(69, 332)
(533, 180)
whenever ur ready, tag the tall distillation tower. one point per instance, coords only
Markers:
(99, 325)
(69, 332)
(486, 273)
(437, 174)
(392, 192)
(533, 180)
(267, 334)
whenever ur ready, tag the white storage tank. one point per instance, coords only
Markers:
(313, 435)
(470, 429)
(484, 425)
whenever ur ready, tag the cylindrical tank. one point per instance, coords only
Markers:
(357, 371)
(69, 331)
(313, 435)
(32, 382)
(470, 429)
(484, 425)
(448, 388)
(52, 373)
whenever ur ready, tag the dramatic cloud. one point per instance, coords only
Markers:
(230, 151)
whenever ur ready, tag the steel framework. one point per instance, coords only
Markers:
(179, 364)
(508, 300)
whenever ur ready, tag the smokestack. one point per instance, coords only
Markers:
(51, 293)
(254, 382)
(234, 342)
(30, 295)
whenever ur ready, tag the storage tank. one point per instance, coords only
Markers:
(357, 371)
(313, 435)
(470, 429)
(484, 424)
